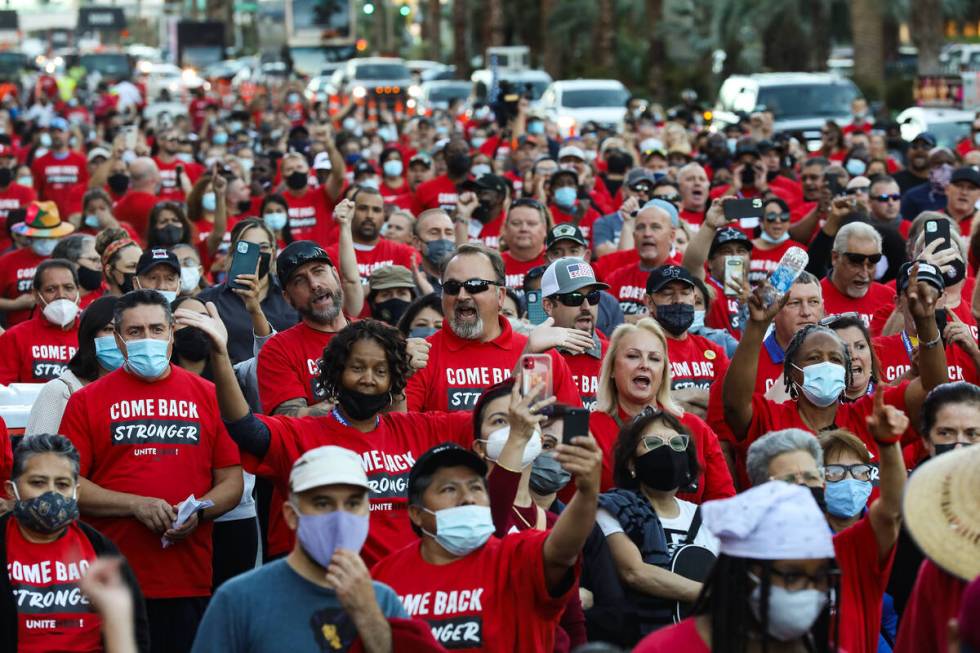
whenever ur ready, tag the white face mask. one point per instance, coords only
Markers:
(791, 614)
(61, 312)
(495, 445)
(189, 278)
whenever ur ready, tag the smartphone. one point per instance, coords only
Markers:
(129, 132)
(536, 370)
(742, 209)
(937, 230)
(535, 311)
(734, 271)
(245, 260)
(576, 423)
(833, 183)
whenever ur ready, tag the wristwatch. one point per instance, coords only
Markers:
(200, 516)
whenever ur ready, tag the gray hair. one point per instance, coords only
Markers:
(860, 230)
(762, 451)
(805, 278)
(70, 247)
(33, 445)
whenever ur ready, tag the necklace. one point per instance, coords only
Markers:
(521, 517)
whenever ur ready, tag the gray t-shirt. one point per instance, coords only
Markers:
(273, 609)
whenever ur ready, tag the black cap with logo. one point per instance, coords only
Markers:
(296, 254)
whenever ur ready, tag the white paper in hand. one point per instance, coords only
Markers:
(187, 507)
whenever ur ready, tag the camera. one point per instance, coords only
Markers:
(508, 95)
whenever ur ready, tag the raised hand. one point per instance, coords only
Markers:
(343, 213)
(546, 336)
(886, 424)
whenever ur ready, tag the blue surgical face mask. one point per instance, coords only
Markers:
(775, 241)
(92, 221)
(422, 332)
(536, 128)
(220, 138)
(462, 529)
(370, 182)
(107, 351)
(169, 295)
(698, 320)
(275, 220)
(479, 170)
(823, 383)
(855, 167)
(848, 497)
(477, 142)
(209, 202)
(147, 357)
(566, 196)
(393, 168)
(43, 246)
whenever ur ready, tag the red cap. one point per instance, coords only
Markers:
(6, 150)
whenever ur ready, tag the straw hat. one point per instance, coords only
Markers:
(43, 221)
(942, 511)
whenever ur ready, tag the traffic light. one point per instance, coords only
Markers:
(368, 8)
(405, 10)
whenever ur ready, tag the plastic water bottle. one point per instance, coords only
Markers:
(781, 280)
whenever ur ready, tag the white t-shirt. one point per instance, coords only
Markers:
(675, 528)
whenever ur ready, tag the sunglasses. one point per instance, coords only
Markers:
(773, 217)
(861, 259)
(894, 197)
(831, 320)
(673, 199)
(677, 442)
(527, 201)
(576, 298)
(641, 188)
(857, 190)
(473, 286)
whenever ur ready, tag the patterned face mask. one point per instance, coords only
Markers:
(48, 513)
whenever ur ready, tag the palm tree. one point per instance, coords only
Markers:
(868, 37)
(460, 54)
(605, 30)
(926, 27)
(433, 15)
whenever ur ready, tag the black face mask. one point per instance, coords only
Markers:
(170, 235)
(118, 183)
(126, 285)
(88, 278)
(6, 175)
(297, 180)
(191, 344)
(244, 205)
(663, 469)
(675, 318)
(957, 274)
(360, 406)
(265, 260)
(945, 448)
(817, 493)
(482, 213)
(458, 164)
(618, 163)
(390, 310)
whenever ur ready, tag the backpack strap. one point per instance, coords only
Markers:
(692, 532)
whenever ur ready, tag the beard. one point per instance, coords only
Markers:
(326, 315)
(366, 230)
(465, 328)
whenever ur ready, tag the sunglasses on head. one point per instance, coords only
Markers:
(856, 190)
(527, 201)
(773, 217)
(861, 259)
(894, 197)
(576, 298)
(472, 286)
(673, 199)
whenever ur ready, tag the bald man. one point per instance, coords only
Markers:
(134, 207)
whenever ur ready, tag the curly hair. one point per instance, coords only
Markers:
(794, 348)
(334, 361)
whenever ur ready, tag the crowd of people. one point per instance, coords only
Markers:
(367, 382)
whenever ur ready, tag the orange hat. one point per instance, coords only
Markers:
(43, 221)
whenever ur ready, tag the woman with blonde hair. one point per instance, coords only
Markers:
(635, 374)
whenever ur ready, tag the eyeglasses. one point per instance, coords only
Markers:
(862, 259)
(860, 472)
(641, 188)
(831, 320)
(774, 217)
(527, 201)
(801, 478)
(576, 298)
(893, 197)
(677, 442)
(795, 581)
(473, 286)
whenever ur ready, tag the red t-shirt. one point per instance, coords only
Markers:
(613, 261)
(693, 218)
(460, 370)
(679, 637)
(14, 197)
(863, 579)
(311, 216)
(384, 253)
(585, 224)
(287, 365)
(835, 302)
(389, 192)
(629, 286)
(494, 600)
(134, 207)
(695, 362)
(894, 358)
(6, 453)
(36, 351)
(935, 599)
(169, 187)
(56, 178)
(387, 453)
(490, 232)
(515, 270)
(437, 193)
(52, 613)
(714, 481)
(17, 278)
(724, 311)
(585, 372)
(159, 439)
(764, 261)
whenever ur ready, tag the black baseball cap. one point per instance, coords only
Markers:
(966, 173)
(447, 454)
(927, 272)
(746, 146)
(298, 253)
(492, 182)
(564, 171)
(364, 168)
(928, 137)
(565, 231)
(665, 274)
(728, 235)
(154, 257)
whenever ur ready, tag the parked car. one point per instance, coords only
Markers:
(160, 77)
(374, 77)
(439, 95)
(572, 103)
(532, 82)
(949, 126)
(800, 102)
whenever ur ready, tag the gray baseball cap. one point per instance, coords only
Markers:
(568, 275)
